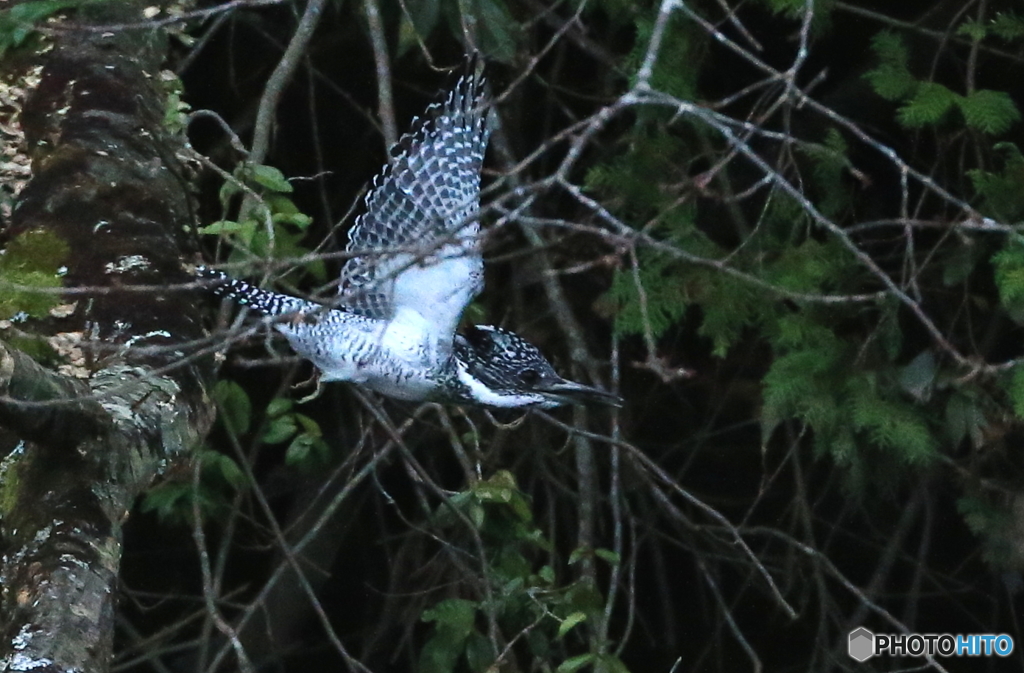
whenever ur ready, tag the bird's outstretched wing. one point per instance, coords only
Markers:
(417, 256)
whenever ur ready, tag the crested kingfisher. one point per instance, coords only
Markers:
(415, 264)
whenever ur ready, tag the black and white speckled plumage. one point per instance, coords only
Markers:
(344, 346)
(417, 266)
(499, 368)
(421, 220)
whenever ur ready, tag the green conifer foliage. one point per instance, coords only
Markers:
(813, 293)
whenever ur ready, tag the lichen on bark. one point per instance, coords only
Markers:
(91, 429)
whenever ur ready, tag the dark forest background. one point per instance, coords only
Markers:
(786, 231)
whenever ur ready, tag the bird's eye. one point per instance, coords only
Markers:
(529, 377)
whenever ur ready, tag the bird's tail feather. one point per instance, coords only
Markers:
(266, 302)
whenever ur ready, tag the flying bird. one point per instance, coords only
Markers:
(415, 264)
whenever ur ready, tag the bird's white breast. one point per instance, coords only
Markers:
(389, 357)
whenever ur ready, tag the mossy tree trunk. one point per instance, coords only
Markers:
(119, 397)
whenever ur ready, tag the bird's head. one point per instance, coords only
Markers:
(498, 368)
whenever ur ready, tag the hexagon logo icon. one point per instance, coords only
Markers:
(861, 644)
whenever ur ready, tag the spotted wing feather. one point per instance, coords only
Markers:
(420, 227)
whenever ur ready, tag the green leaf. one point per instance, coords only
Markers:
(454, 614)
(166, 499)
(891, 79)
(284, 211)
(979, 513)
(234, 405)
(175, 109)
(1015, 388)
(498, 28)
(584, 596)
(280, 204)
(611, 664)
(417, 23)
(513, 586)
(306, 452)
(480, 654)
(281, 429)
(992, 523)
(510, 563)
(285, 244)
(608, 555)
(491, 493)
(521, 507)
(810, 266)
(476, 514)
(918, 377)
(300, 221)
(18, 22)
(446, 512)
(1009, 276)
(664, 297)
(889, 424)
(972, 29)
(224, 467)
(309, 426)
(503, 479)
(1008, 26)
(574, 664)
(298, 452)
(578, 554)
(1003, 197)
(831, 168)
(803, 377)
(232, 473)
(37, 10)
(929, 105)
(173, 501)
(989, 111)
(269, 177)
(569, 622)
(227, 190)
(279, 406)
(681, 44)
(323, 452)
(225, 227)
(964, 418)
(439, 655)
(501, 487)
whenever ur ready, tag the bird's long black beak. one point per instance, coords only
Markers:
(570, 392)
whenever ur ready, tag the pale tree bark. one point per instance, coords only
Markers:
(123, 398)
